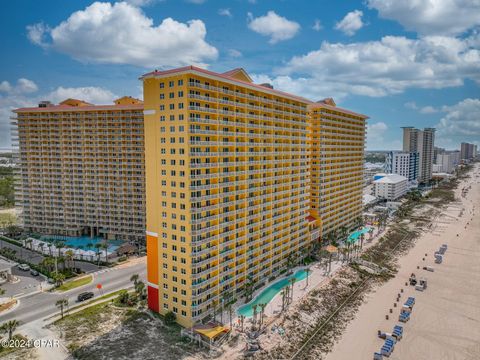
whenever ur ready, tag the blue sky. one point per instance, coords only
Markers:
(403, 63)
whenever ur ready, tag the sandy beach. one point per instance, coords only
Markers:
(445, 322)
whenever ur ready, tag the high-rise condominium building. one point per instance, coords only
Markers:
(82, 169)
(337, 165)
(227, 187)
(402, 163)
(421, 141)
(468, 151)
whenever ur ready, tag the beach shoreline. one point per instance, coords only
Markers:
(445, 323)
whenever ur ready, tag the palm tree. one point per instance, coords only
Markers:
(254, 320)
(262, 314)
(292, 282)
(362, 238)
(97, 250)
(242, 319)
(105, 247)
(59, 278)
(49, 245)
(9, 327)
(59, 245)
(134, 278)
(41, 247)
(230, 314)
(140, 289)
(249, 287)
(284, 299)
(307, 271)
(62, 304)
(69, 256)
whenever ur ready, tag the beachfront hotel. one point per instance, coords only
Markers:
(337, 161)
(81, 169)
(227, 186)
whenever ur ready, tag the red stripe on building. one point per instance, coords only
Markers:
(153, 301)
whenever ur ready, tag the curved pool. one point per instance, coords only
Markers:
(269, 293)
(355, 235)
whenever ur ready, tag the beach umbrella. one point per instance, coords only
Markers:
(331, 249)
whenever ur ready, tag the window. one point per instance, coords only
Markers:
(171, 83)
(162, 85)
(171, 95)
(172, 107)
(180, 105)
(180, 94)
(180, 82)
(162, 107)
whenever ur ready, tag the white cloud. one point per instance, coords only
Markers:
(234, 53)
(25, 94)
(23, 86)
(196, 1)
(461, 119)
(427, 17)
(91, 94)
(375, 135)
(225, 12)
(122, 34)
(380, 68)
(351, 23)
(276, 27)
(141, 3)
(422, 110)
(317, 25)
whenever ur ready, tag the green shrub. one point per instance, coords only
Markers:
(170, 318)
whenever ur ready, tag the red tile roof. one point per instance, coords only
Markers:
(319, 105)
(212, 73)
(66, 108)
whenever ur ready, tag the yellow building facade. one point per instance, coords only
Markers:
(227, 187)
(81, 169)
(337, 165)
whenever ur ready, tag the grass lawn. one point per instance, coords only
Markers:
(69, 285)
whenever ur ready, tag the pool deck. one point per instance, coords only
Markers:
(317, 278)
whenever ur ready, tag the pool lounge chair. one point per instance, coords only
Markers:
(377, 356)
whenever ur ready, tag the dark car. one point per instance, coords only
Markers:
(85, 296)
(34, 272)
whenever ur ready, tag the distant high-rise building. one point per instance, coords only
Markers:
(468, 151)
(436, 151)
(447, 161)
(402, 163)
(81, 169)
(421, 141)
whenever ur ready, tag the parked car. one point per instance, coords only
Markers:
(85, 296)
(34, 272)
(24, 267)
(51, 281)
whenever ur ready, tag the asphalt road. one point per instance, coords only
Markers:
(41, 305)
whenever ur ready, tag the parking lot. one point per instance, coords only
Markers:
(26, 284)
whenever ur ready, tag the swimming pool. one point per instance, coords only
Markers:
(82, 241)
(269, 293)
(355, 235)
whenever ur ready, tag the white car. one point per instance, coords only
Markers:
(24, 267)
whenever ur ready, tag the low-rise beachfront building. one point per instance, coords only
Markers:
(390, 187)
